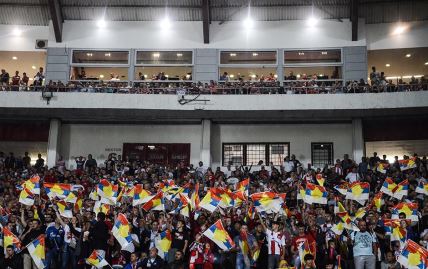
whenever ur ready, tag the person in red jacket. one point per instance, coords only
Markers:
(196, 253)
(208, 257)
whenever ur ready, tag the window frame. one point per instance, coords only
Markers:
(309, 64)
(160, 50)
(247, 65)
(72, 64)
(244, 151)
(322, 143)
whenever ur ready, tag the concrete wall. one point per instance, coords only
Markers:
(300, 137)
(355, 63)
(57, 67)
(206, 65)
(100, 140)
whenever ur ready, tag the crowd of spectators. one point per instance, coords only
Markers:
(18, 83)
(70, 241)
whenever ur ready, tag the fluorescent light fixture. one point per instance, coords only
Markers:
(14, 58)
(89, 54)
(156, 54)
(107, 54)
(324, 53)
(101, 23)
(408, 55)
(187, 76)
(232, 54)
(426, 63)
(101, 76)
(179, 54)
(405, 77)
(166, 23)
(151, 147)
(232, 76)
(253, 76)
(167, 76)
(298, 76)
(33, 67)
(248, 23)
(399, 30)
(387, 65)
(30, 78)
(145, 76)
(312, 21)
(255, 54)
(17, 32)
(301, 53)
(275, 76)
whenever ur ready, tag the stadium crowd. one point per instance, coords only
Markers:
(303, 233)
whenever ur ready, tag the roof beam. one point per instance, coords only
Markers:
(354, 19)
(206, 20)
(57, 19)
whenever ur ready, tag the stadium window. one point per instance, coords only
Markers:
(248, 57)
(164, 65)
(312, 56)
(249, 74)
(101, 58)
(313, 73)
(252, 153)
(83, 73)
(321, 154)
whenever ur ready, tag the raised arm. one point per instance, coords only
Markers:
(262, 222)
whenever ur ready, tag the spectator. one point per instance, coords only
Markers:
(12, 260)
(153, 261)
(40, 162)
(99, 234)
(15, 81)
(374, 77)
(4, 78)
(90, 163)
(179, 262)
(133, 264)
(39, 77)
(364, 247)
(26, 159)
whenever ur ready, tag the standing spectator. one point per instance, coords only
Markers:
(40, 162)
(288, 165)
(99, 234)
(353, 176)
(4, 78)
(39, 77)
(275, 242)
(80, 162)
(32, 230)
(153, 261)
(364, 247)
(90, 163)
(25, 79)
(244, 260)
(133, 264)
(374, 77)
(10, 161)
(179, 262)
(26, 159)
(180, 240)
(15, 81)
(12, 260)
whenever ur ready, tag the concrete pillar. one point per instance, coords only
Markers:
(53, 142)
(131, 69)
(205, 65)
(206, 142)
(280, 66)
(357, 139)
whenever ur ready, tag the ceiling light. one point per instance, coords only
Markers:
(298, 76)
(145, 76)
(301, 53)
(426, 63)
(101, 23)
(107, 54)
(167, 76)
(248, 23)
(387, 65)
(253, 76)
(179, 54)
(255, 54)
(233, 54)
(16, 32)
(399, 30)
(275, 76)
(324, 53)
(33, 67)
(89, 54)
(232, 76)
(166, 23)
(312, 21)
(156, 55)
(14, 58)
(408, 55)
(101, 76)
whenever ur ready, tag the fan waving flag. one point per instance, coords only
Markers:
(96, 260)
(163, 243)
(244, 186)
(409, 209)
(26, 197)
(422, 188)
(382, 167)
(195, 197)
(122, 230)
(140, 196)
(346, 219)
(388, 186)
(219, 236)
(315, 194)
(210, 202)
(59, 190)
(358, 191)
(378, 201)
(9, 239)
(33, 184)
(395, 190)
(413, 256)
(267, 202)
(320, 179)
(342, 188)
(64, 209)
(155, 203)
(37, 251)
(99, 207)
(108, 192)
(407, 164)
(397, 232)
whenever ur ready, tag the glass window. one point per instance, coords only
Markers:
(100, 57)
(99, 73)
(248, 57)
(247, 74)
(233, 154)
(322, 154)
(166, 72)
(314, 72)
(165, 57)
(277, 153)
(312, 56)
(256, 153)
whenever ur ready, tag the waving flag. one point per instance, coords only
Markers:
(388, 186)
(108, 192)
(422, 188)
(26, 197)
(410, 209)
(155, 203)
(78, 205)
(358, 191)
(345, 218)
(320, 179)
(304, 249)
(9, 239)
(94, 195)
(338, 228)
(99, 207)
(59, 190)
(378, 201)
(266, 202)
(122, 230)
(244, 186)
(382, 167)
(64, 209)
(397, 232)
(342, 188)
(140, 196)
(413, 256)
(315, 194)
(71, 197)
(219, 236)
(395, 190)
(163, 243)
(407, 164)
(245, 247)
(195, 197)
(210, 202)
(361, 212)
(33, 184)
(37, 251)
(96, 260)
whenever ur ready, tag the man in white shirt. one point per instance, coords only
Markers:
(275, 242)
(288, 165)
(353, 176)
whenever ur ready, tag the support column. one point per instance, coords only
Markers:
(280, 67)
(206, 142)
(53, 142)
(357, 139)
(131, 69)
